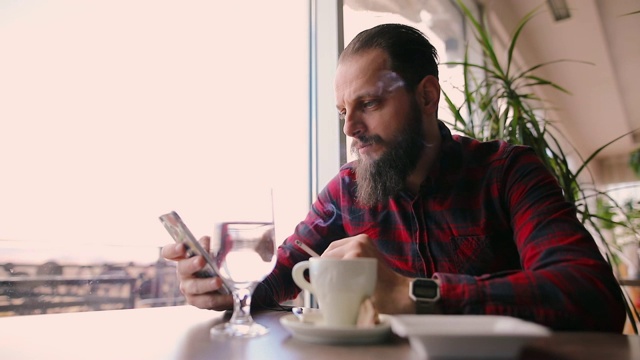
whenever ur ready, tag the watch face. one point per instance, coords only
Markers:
(425, 289)
(425, 292)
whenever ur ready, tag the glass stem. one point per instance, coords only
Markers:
(242, 307)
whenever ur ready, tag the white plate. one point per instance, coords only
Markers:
(323, 334)
(468, 336)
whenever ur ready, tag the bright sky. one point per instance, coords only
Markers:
(112, 113)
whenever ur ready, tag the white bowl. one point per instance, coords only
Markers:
(466, 336)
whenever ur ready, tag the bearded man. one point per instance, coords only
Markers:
(458, 226)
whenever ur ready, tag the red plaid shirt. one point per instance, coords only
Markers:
(491, 223)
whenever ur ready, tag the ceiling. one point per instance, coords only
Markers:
(605, 95)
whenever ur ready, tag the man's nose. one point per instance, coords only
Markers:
(353, 125)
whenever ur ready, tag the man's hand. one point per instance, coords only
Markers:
(392, 291)
(199, 292)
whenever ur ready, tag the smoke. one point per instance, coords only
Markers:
(330, 213)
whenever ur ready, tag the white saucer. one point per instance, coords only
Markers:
(324, 334)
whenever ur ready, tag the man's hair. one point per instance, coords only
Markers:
(411, 54)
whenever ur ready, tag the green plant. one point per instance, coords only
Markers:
(634, 162)
(500, 102)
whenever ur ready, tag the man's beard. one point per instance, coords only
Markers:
(385, 177)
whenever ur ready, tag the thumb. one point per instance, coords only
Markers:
(205, 241)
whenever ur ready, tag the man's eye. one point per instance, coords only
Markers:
(370, 104)
(341, 115)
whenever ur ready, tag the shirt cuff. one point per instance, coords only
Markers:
(459, 294)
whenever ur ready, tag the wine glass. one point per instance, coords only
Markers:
(245, 253)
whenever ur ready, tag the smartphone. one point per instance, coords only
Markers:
(181, 234)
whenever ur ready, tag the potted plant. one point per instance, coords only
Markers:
(500, 103)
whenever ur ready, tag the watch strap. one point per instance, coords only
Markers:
(424, 307)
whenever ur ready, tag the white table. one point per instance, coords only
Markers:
(183, 333)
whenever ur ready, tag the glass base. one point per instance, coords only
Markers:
(239, 330)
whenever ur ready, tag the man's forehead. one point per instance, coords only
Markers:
(364, 75)
(390, 80)
(368, 83)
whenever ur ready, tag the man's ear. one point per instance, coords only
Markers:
(428, 93)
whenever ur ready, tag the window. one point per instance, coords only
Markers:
(113, 113)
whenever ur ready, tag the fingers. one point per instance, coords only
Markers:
(205, 241)
(174, 252)
(192, 287)
(351, 247)
(203, 293)
(199, 292)
(186, 268)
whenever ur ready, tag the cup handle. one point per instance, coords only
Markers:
(298, 275)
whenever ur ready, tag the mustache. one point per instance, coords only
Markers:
(364, 140)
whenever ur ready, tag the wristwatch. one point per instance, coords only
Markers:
(426, 293)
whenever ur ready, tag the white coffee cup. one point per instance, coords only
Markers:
(340, 286)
